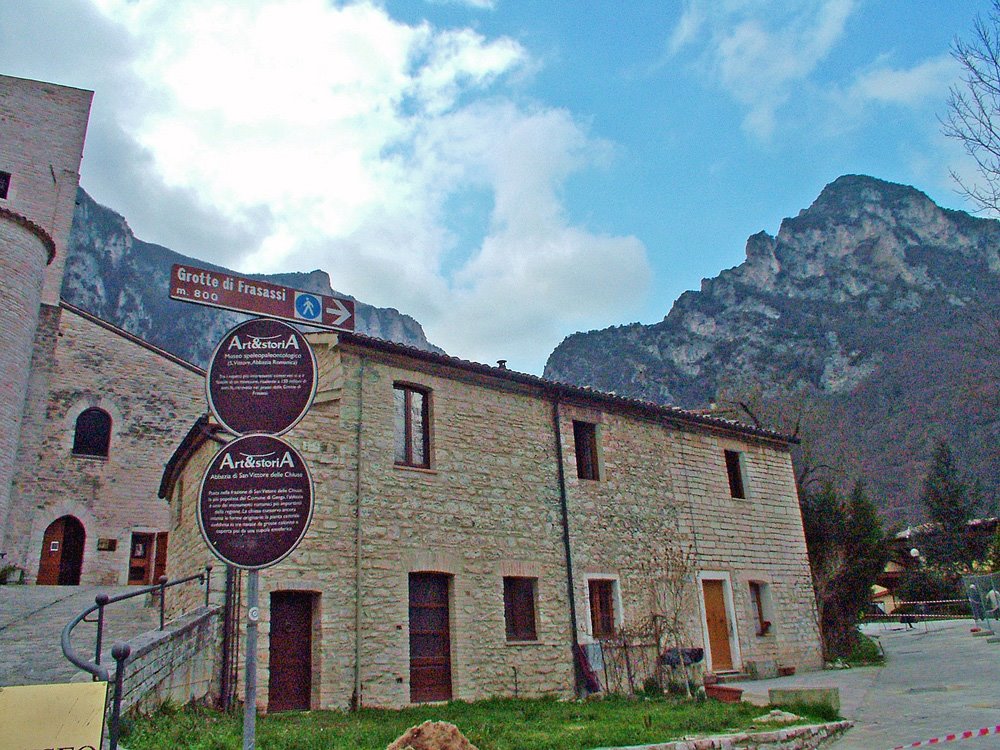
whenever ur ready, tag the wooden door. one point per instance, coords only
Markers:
(160, 560)
(430, 638)
(140, 560)
(718, 625)
(290, 652)
(61, 560)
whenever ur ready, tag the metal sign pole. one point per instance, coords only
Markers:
(250, 704)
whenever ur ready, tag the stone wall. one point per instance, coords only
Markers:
(23, 256)
(179, 663)
(42, 129)
(152, 399)
(489, 507)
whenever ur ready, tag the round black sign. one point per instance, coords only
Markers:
(255, 502)
(262, 378)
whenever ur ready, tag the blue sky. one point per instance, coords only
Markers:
(506, 172)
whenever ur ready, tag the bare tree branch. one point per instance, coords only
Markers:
(973, 109)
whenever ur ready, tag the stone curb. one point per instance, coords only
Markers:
(791, 738)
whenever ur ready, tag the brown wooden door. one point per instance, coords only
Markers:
(718, 625)
(140, 560)
(62, 553)
(430, 638)
(160, 559)
(290, 652)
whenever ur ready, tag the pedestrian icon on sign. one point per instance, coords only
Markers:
(307, 306)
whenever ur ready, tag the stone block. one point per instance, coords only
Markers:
(761, 669)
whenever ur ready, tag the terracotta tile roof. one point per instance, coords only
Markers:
(568, 391)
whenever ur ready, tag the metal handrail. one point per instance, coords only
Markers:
(121, 650)
(103, 600)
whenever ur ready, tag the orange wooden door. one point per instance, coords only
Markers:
(430, 638)
(718, 625)
(48, 564)
(61, 560)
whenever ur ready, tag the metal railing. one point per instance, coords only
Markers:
(936, 609)
(121, 650)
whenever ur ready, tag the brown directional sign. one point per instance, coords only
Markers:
(256, 501)
(262, 378)
(231, 292)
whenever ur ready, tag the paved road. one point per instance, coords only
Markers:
(938, 679)
(32, 619)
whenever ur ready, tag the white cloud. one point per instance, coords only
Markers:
(687, 28)
(759, 52)
(474, 4)
(928, 80)
(337, 135)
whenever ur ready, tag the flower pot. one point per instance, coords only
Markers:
(786, 671)
(724, 693)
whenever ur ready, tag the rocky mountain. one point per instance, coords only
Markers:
(875, 300)
(119, 278)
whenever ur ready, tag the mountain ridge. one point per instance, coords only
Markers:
(868, 285)
(117, 277)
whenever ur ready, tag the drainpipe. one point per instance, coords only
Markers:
(564, 511)
(357, 701)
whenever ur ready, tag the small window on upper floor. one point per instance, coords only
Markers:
(585, 441)
(736, 470)
(519, 608)
(93, 433)
(4, 184)
(412, 426)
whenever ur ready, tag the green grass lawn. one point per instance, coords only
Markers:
(497, 724)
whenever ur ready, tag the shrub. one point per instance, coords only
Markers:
(11, 574)
(865, 651)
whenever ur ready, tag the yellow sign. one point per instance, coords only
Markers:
(61, 717)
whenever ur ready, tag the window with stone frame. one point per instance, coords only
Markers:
(519, 608)
(760, 600)
(736, 471)
(93, 433)
(602, 607)
(585, 444)
(411, 425)
(4, 184)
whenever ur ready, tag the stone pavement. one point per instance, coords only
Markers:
(31, 623)
(937, 679)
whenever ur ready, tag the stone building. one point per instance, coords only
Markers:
(42, 128)
(472, 523)
(90, 413)
(116, 409)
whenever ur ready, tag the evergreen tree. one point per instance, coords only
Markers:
(847, 551)
(950, 506)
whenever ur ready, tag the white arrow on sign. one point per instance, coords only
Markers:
(340, 312)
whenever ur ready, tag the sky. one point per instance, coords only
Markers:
(507, 172)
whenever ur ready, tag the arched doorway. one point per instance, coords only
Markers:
(62, 553)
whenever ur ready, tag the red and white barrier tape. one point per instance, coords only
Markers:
(967, 734)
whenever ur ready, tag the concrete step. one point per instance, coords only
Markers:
(731, 676)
